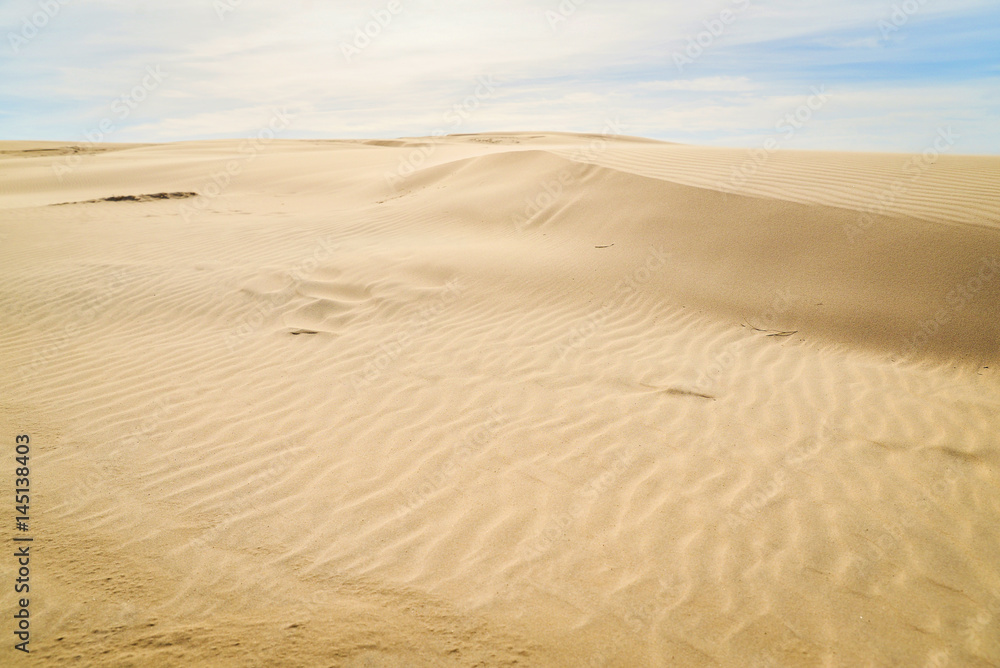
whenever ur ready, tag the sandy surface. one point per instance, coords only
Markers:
(498, 400)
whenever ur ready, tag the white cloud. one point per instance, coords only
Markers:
(701, 84)
(607, 58)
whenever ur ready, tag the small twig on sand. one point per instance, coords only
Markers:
(770, 332)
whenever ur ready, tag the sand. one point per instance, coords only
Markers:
(503, 400)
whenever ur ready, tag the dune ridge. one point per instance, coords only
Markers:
(506, 399)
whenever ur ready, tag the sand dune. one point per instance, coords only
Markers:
(511, 399)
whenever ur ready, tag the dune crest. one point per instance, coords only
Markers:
(506, 399)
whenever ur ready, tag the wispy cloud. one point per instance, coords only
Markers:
(562, 65)
(702, 84)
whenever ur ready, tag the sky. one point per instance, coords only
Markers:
(865, 75)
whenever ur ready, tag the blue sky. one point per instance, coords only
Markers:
(859, 75)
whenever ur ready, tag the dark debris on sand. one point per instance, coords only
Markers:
(134, 198)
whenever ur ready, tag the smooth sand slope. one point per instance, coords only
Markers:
(498, 400)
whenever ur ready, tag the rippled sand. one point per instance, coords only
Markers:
(505, 400)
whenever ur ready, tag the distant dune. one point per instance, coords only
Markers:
(519, 399)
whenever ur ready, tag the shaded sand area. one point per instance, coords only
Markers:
(503, 400)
